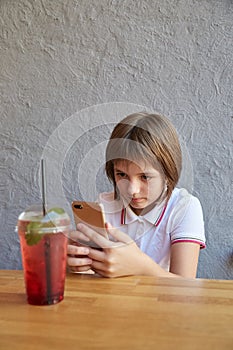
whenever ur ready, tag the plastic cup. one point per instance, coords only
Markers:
(43, 241)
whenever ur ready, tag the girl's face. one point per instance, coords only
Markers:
(140, 185)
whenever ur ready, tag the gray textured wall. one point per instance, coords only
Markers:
(60, 57)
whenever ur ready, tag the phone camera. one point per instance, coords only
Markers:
(78, 206)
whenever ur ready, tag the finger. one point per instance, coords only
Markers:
(96, 254)
(80, 269)
(75, 236)
(100, 269)
(118, 235)
(77, 250)
(71, 261)
(98, 266)
(95, 237)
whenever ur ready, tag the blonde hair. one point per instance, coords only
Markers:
(145, 137)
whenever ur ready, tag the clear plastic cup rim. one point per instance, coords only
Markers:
(44, 230)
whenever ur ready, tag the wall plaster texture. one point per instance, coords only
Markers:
(58, 58)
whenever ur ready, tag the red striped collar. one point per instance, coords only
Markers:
(157, 221)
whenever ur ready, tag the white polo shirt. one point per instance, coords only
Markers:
(178, 220)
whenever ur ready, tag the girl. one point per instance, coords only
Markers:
(154, 228)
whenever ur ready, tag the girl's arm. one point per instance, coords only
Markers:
(123, 257)
(184, 259)
(183, 262)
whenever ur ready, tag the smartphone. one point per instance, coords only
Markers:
(91, 214)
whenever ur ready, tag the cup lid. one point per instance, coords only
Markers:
(55, 220)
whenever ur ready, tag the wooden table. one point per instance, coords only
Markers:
(123, 313)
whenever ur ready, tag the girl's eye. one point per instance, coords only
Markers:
(120, 174)
(145, 177)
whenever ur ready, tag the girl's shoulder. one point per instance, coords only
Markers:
(184, 219)
(182, 196)
(182, 201)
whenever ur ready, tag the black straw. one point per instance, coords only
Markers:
(47, 238)
(43, 183)
(48, 270)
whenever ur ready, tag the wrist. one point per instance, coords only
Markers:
(149, 267)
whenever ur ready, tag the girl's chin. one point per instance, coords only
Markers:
(138, 203)
(137, 207)
(142, 208)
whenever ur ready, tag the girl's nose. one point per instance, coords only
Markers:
(133, 187)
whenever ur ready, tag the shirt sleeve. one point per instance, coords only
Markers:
(186, 222)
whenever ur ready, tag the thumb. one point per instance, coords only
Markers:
(117, 234)
(111, 230)
(108, 225)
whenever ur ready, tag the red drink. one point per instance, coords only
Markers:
(44, 251)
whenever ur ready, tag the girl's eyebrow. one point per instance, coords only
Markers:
(119, 170)
(147, 173)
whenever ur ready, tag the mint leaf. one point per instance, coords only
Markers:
(32, 236)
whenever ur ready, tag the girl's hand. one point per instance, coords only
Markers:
(77, 255)
(119, 258)
(122, 257)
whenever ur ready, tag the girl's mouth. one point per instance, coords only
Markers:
(137, 200)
